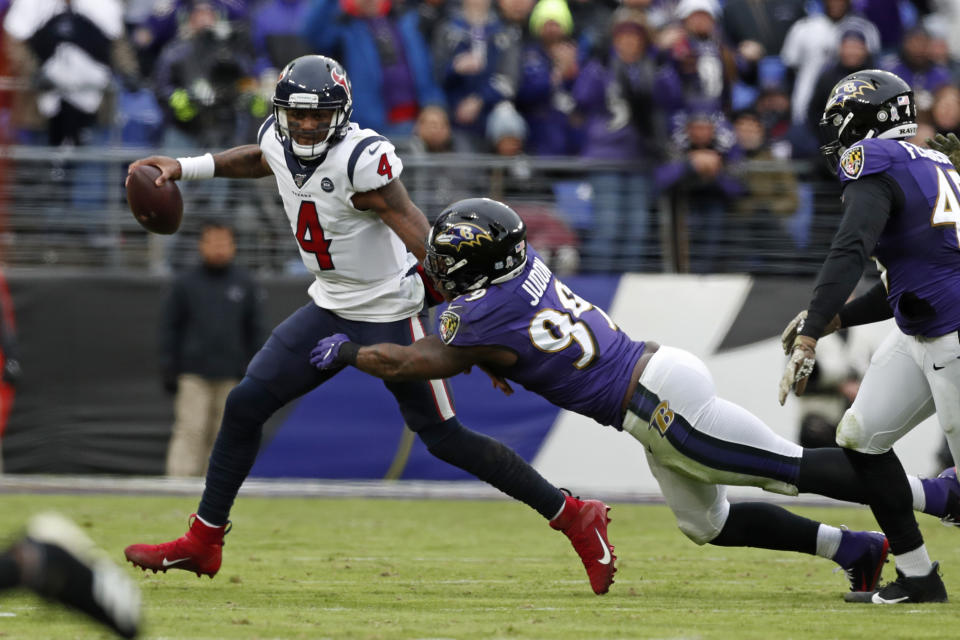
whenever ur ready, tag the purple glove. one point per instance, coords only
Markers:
(324, 355)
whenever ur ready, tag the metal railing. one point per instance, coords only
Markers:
(66, 207)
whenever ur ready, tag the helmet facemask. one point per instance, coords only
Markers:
(320, 138)
(474, 244)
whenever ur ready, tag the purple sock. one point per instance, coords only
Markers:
(850, 548)
(935, 491)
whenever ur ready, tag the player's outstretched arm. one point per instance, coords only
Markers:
(246, 161)
(396, 209)
(426, 359)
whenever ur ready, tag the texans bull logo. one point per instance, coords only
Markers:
(341, 79)
(463, 234)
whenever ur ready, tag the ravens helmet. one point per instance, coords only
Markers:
(475, 243)
(866, 104)
(316, 83)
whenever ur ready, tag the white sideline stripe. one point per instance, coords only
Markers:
(309, 488)
(439, 391)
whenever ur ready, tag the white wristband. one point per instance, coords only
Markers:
(197, 167)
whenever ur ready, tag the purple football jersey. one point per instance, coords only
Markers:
(919, 249)
(569, 351)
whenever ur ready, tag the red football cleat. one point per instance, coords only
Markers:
(585, 523)
(198, 551)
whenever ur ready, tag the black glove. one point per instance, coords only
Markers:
(170, 384)
(11, 371)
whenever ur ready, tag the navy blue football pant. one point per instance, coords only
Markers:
(281, 371)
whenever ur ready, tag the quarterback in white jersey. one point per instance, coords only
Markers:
(362, 268)
(362, 238)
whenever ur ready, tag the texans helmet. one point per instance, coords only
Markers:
(475, 243)
(866, 104)
(313, 82)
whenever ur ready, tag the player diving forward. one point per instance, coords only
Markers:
(510, 314)
(361, 236)
(901, 204)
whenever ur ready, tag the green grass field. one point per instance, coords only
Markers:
(386, 569)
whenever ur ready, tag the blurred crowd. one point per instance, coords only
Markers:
(680, 90)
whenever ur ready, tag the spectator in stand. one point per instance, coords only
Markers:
(940, 36)
(699, 181)
(700, 69)
(916, 67)
(200, 78)
(812, 43)
(948, 14)
(276, 37)
(430, 15)
(471, 67)
(756, 228)
(167, 18)
(891, 17)
(660, 13)
(592, 20)
(749, 23)
(506, 130)
(773, 110)
(211, 328)
(516, 14)
(945, 114)
(615, 95)
(549, 68)
(853, 55)
(437, 185)
(385, 56)
(68, 53)
(276, 40)
(506, 134)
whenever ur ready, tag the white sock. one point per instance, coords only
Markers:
(919, 497)
(828, 541)
(915, 563)
(212, 526)
(562, 505)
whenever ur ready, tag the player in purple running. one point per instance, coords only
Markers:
(901, 205)
(509, 313)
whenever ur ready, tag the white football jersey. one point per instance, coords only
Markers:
(363, 270)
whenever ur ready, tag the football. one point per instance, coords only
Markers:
(157, 209)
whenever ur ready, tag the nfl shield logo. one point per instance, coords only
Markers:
(851, 162)
(300, 178)
(449, 323)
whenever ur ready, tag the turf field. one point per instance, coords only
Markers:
(384, 569)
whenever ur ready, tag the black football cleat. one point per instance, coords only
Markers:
(906, 590)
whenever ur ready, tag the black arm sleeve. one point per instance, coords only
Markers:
(870, 307)
(867, 205)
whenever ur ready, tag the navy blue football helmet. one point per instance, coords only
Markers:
(475, 243)
(312, 82)
(866, 104)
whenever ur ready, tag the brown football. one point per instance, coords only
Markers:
(157, 209)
